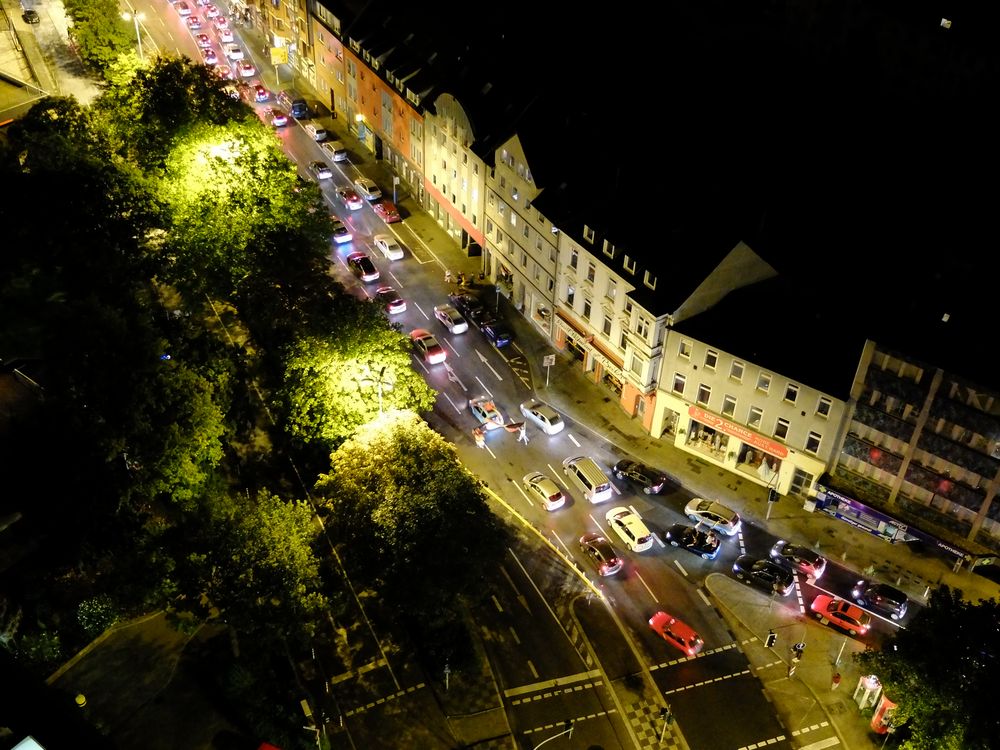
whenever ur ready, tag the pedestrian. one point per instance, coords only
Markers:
(461, 279)
(480, 437)
(447, 276)
(836, 681)
(523, 437)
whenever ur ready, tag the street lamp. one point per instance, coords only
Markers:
(379, 381)
(135, 17)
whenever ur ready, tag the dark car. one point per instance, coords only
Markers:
(650, 480)
(30, 15)
(497, 333)
(363, 267)
(766, 573)
(470, 306)
(799, 558)
(601, 554)
(880, 598)
(705, 544)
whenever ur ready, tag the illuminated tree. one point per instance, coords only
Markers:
(415, 520)
(940, 671)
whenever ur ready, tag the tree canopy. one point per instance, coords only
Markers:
(940, 671)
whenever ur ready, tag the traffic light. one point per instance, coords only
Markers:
(771, 639)
(568, 727)
(772, 495)
(666, 715)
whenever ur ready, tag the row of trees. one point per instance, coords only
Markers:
(169, 269)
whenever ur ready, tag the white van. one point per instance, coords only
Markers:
(336, 150)
(587, 475)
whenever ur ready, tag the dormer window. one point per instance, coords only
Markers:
(588, 234)
(629, 264)
(649, 280)
(609, 249)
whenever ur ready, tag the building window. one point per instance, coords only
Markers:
(629, 264)
(704, 394)
(586, 308)
(588, 234)
(503, 182)
(612, 289)
(570, 295)
(736, 371)
(728, 405)
(763, 382)
(791, 393)
(609, 249)
(649, 280)
(754, 417)
(812, 442)
(591, 272)
(574, 258)
(642, 327)
(525, 230)
(711, 359)
(781, 429)
(684, 350)
(679, 381)
(524, 259)
(823, 407)
(606, 329)
(636, 366)
(623, 341)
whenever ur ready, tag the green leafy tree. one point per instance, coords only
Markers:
(101, 34)
(253, 561)
(415, 520)
(940, 671)
(332, 383)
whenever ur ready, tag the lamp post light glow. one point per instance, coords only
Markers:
(135, 18)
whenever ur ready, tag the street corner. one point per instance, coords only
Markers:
(752, 609)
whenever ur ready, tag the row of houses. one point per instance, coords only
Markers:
(716, 342)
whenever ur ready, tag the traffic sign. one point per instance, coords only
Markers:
(548, 360)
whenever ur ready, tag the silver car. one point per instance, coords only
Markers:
(544, 490)
(451, 318)
(543, 416)
(713, 515)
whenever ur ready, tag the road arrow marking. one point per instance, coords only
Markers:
(482, 358)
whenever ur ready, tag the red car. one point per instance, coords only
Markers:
(387, 211)
(841, 614)
(428, 347)
(260, 94)
(676, 633)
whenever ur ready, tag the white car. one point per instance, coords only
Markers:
(391, 249)
(367, 188)
(226, 35)
(539, 487)
(451, 318)
(316, 132)
(713, 515)
(543, 416)
(341, 233)
(233, 51)
(629, 526)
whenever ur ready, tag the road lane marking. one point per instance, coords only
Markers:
(488, 391)
(534, 672)
(615, 488)
(572, 439)
(457, 407)
(743, 545)
(537, 687)
(821, 744)
(559, 539)
(639, 576)
(712, 681)
(513, 634)
(660, 541)
(704, 598)
(523, 493)
(496, 603)
(560, 725)
(681, 568)
(482, 358)
(451, 346)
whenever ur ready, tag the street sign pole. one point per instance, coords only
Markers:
(547, 361)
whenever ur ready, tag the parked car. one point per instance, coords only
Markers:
(841, 614)
(450, 318)
(428, 347)
(705, 544)
(387, 244)
(387, 211)
(350, 199)
(317, 132)
(389, 298)
(341, 233)
(367, 189)
(649, 480)
(600, 553)
(320, 170)
(543, 416)
(541, 488)
(363, 267)
(713, 515)
(497, 333)
(630, 528)
(469, 305)
(799, 558)
(484, 410)
(881, 599)
(765, 574)
(676, 633)
(30, 15)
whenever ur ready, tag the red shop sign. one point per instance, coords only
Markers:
(737, 431)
